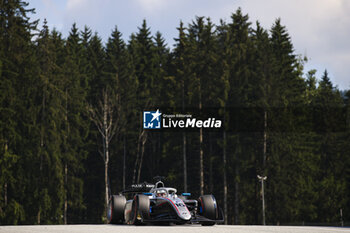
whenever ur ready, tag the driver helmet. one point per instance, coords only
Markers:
(161, 193)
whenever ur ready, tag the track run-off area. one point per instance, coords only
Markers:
(168, 229)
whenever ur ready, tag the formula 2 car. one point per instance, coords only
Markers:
(159, 204)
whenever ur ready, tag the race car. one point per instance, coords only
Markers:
(158, 204)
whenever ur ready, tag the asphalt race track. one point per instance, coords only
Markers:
(167, 229)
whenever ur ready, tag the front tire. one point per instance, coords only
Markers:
(115, 212)
(140, 209)
(208, 209)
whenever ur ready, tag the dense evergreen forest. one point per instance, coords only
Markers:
(54, 91)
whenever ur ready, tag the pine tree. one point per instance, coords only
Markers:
(121, 79)
(50, 123)
(240, 76)
(332, 173)
(144, 65)
(181, 71)
(224, 60)
(76, 125)
(17, 107)
(93, 63)
(143, 55)
(287, 75)
(310, 86)
(287, 94)
(163, 83)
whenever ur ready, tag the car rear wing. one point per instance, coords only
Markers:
(138, 188)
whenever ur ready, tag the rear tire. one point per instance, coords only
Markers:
(115, 213)
(140, 209)
(208, 209)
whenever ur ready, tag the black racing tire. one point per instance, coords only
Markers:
(115, 213)
(208, 205)
(140, 209)
(208, 223)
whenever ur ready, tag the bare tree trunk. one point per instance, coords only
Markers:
(42, 126)
(265, 139)
(5, 185)
(66, 195)
(106, 149)
(38, 216)
(153, 155)
(106, 189)
(124, 158)
(137, 155)
(42, 136)
(42, 143)
(144, 139)
(5, 194)
(136, 162)
(65, 164)
(236, 195)
(160, 135)
(159, 145)
(211, 157)
(107, 126)
(201, 167)
(184, 161)
(184, 143)
(201, 161)
(225, 177)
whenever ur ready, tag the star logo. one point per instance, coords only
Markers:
(156, 115)
(151, 119)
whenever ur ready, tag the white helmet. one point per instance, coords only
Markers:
(161, 193)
